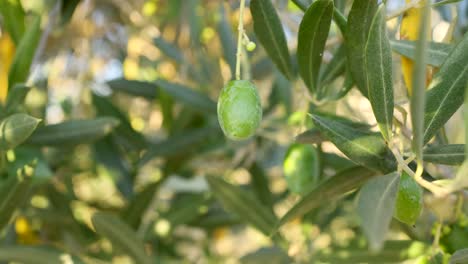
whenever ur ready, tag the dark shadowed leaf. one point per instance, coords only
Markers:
(120, 235)
(313, 33)
(169, 50)
(226, 36)
(272, 255)
(16, 97)
(268, 29)
(244, 204)
(15, 129)
(328, 191)
(445, 154)
(437, 53)
(73, 132)
(447, 89)
(36, 255)
(24, 55)
(137, 88)
(133, 214)
(67, 9)
(359, 23)
(379, 73)
(375, 206)
(363, 147)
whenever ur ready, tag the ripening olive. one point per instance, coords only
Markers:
(409, 200)
(301, 168)
(239, 109)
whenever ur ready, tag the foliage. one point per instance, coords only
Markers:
(350, 136)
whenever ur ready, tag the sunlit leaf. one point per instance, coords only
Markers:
(375, 206)
(268, 29)
(25, 51)
(13, 18)
(313, 33)
(15, 129)
(447, 89)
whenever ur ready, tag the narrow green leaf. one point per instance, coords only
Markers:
(73, 132)
(445, 154)
(36, 255)
(437, 52)
(25, 156)
(133, 214)
(15, 129)
(24, 55)
(196, 100)
(466, 119)
(137, 88)
(336, 67)
(359, 23)
(328, 191)
(445, 2)
(312, 36)
(363, 147)
(378, 60)
(169, 50)
(14, 192)
(13, 18)
(244, 204)
(375, 206)
(311, 136)
(179, 143)
(16, 97)
(459, 257)
(67, 9)
(185, 208)
(446, 91)
(227, 40)
(130, 139)
(418, 97)
(120, 235)
(260, 184)
(268, 29)
(272, 255)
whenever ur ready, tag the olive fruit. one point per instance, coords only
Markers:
(409, 200)
(239, 109)
(301, 168)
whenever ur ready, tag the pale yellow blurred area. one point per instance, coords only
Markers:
(7, 51)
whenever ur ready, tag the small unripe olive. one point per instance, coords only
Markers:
(239, 109)
(301, 168)
(251, 46)
(409, 200)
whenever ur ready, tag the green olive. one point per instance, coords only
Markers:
(409, 200)
(239, 109)
(301, 168)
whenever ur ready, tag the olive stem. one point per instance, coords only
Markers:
(240, 37)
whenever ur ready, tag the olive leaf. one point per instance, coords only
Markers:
(437, 52)
(447, 89)
(24, 55)
(36, 255)
(357, 31)
(13, 18)
(313, 33)
(244, 204)
(120, 235)
(375, 206)
(15, 129)
(268, 29)
(137, 88)
(453, 154)
(363, 147)
(459, 257)
(73, 132)
(328, 191)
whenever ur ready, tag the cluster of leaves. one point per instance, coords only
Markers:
(45, 161)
